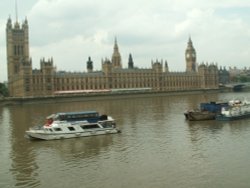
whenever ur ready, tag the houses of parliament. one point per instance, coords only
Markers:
(24, 81)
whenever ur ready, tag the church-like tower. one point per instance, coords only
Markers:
(18, 58)
(190, 56)
(116, 57)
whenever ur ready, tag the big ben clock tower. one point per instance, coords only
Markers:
(190, 56)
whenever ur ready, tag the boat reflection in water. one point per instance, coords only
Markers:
(74, 124)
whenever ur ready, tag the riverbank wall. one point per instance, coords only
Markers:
(97, 96)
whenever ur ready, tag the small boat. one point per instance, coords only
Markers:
(207, 111)
(74, 124)
(237, 109)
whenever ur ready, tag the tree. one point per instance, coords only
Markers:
(243, 78)
(3, 90)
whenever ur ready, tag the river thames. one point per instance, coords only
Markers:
(157, 147)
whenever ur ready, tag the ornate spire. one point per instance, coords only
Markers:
(130, 62)
(90, 65)
(116, 46)
(26, 20)
(166, 66)
(190, 43)
(9, 23)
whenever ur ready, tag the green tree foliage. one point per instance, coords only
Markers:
(243, 78)
(3, 90)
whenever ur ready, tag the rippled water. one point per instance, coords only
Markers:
(157, 147)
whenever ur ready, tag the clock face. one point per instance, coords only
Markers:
(188, 55)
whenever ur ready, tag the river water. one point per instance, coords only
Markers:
(157, 147)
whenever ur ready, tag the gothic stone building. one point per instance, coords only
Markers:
(24, 81)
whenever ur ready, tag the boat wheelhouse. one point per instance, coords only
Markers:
(74, 124)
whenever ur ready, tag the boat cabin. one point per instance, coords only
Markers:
(90, 116)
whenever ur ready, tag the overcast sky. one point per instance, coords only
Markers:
(72, 30)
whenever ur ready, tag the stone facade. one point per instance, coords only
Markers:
(24, 81)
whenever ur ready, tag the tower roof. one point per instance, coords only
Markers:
(116, 52)
(190, 46)
(116, 49)
(190, 43)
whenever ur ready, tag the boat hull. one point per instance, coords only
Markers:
(231, 118)
(42, 135)
(199, 115)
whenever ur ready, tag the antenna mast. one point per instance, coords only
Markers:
(16, 10)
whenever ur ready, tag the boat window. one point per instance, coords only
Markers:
(103, 117)
(92, 126)
(51, 130)
(71, 128)
(107, 124)
(57, 129)
(79, 117)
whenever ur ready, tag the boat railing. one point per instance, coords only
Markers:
(38, 127)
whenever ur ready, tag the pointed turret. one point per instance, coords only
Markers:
(9, 24)
(130, 62)
(25, 24)
(166, 66)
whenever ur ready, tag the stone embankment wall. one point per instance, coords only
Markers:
(99, 96)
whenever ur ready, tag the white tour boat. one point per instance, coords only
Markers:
(74, 124)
